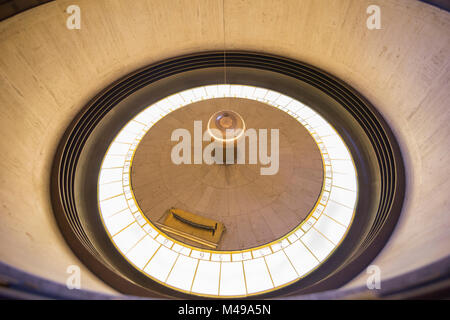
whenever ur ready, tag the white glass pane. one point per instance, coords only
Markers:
(175, 100)
(145, 117)
(170, 103)
(306, 112)
(261, 252)
(299, 233)
(338, 152)
(199, 93)
(294, 106)
(200, 255)
(119, 221)
(317, 122)
(113, 162)
(328, 171)
(143, 251)
(301, 258)
(126, 137)
(308, 224)
(283, 100)
(232, 280)
(339, 212)
(223, 90)
(164, 241)
(150, 231)
(343, 166)
(276, 246)
(345, 197)
(247, 91)
(324, 130)
(272, 96)
(113, 205)
(241, 256)
(110, 175)
(140, 219)
(280, 268)
(318, 211)
(206, 280)
(194, 97)
(161, 263)
(183, 273)
(181, 249)
(256, 275)
(128, 237)
(260, 93)
(188, 96)
(345, 181)
(318, 245)
(292, 238)
(110, 190)
(151, 114)
(328, 182)
(220, 257)
(332, 141)
(325, 196)
(330, 229)
(211, 91)
(134, 127)
(235, 90)
(118, 148)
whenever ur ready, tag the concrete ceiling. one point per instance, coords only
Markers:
(48, 73)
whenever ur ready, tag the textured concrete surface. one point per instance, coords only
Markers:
(47, 74)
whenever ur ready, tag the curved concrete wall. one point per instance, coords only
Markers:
(48, 72)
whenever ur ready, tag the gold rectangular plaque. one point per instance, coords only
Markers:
(191, 226)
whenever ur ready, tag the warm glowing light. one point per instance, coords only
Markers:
(230, 273)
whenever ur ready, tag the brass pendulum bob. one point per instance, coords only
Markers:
(226, 128)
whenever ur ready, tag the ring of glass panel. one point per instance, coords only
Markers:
(227, 273)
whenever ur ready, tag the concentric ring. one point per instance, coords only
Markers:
(228, 273)
(373, 146)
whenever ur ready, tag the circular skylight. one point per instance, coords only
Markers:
(227, 273)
